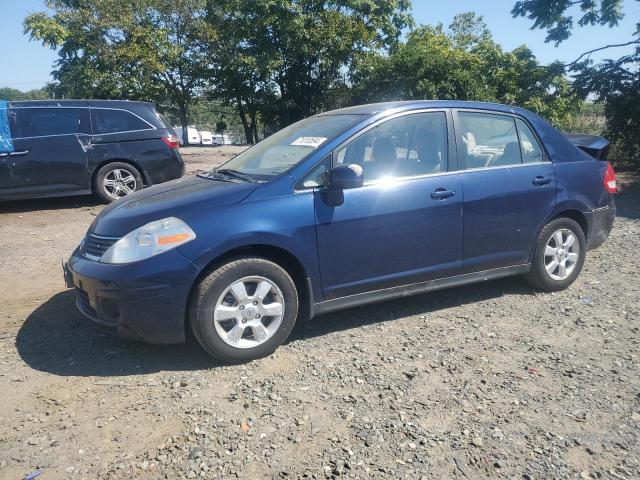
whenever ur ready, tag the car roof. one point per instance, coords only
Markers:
(377, 108)
(77, 103)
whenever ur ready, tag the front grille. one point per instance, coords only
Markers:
(94, 246)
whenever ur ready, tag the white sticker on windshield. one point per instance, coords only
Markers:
(313, 142)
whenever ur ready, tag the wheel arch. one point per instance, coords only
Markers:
(97, 168)
(567, 211)
(278, 255)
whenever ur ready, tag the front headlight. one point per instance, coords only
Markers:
(149, 240)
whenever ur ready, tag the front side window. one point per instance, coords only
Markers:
(531, 149)
(114, 121)
(42, 122)
(488, 140)
(283, 150)
(407, 146)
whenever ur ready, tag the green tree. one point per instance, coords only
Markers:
(14, 94)
(463, 63)
(147, 49)
(279, 59)
(615, 81)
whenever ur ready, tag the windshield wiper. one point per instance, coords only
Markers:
(234, 173)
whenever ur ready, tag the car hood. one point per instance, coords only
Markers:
(179, 198)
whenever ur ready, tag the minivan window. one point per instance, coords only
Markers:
(407, 146)
(488, 140)
(531, 149)
(283, 150)
(42, 122)
(113, 121)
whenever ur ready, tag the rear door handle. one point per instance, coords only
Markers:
(442, 193)
(19, 153)
(540, 180)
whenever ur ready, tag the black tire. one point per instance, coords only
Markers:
(210, 289)
(99, 187)
(538, 276)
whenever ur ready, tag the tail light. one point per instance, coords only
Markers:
(610, 179)
(172, 141)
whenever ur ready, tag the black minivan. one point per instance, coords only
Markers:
(73, 147)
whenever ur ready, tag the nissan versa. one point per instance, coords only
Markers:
(342, 209)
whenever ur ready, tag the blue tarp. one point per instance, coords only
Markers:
(6, 145)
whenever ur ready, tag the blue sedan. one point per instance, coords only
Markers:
(345, 208)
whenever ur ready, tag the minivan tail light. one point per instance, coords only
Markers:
(610, 179)
(172, 141)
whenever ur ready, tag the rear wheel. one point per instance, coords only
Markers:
(559, 255)
(244, 309)
(116, 180)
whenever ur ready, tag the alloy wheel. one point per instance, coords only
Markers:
(249, 312)
(119, 182)
(561, 254)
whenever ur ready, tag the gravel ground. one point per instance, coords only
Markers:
(486, 381)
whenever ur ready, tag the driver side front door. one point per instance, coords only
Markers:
(404, 225)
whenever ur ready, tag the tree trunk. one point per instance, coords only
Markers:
(254, 124)
(248, 135)
(182, 113)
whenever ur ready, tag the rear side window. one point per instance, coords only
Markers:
(113, 121)
(42, 122)
(488, 140)
(531, 149)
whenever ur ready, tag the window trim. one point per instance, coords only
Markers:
(451, 159)
(456, 125)
(152, 127)
(535, 136)
(299, 185)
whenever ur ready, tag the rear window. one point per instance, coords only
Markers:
(113, 121)
(41, 122)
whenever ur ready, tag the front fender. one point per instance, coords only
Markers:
(286, 223)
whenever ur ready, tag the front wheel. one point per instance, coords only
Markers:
(559, 255)
(244, 309)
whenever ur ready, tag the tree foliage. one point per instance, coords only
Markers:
(464, 63)
(613, 81)
(14, 94)
(556, 17)
(280, 58)
(147, 49)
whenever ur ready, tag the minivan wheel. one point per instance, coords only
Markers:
(559, 255)
(116, 180)
(244, 309)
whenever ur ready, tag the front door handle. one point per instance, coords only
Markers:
(540, 180)
(19, 153)
(442, 194)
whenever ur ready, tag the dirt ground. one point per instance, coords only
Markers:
(486, 381)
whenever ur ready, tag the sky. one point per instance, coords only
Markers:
(27, 65)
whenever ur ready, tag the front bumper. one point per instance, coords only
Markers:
(600, 223)
(145, 300)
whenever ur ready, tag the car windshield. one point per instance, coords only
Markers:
(283, 150)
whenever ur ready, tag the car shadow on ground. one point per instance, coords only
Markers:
(56, 203)
(57, 339)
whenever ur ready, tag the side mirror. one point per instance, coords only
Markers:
(344, 177)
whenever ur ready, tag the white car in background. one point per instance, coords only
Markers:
(192, 134)
(221, 139)
(206, 137)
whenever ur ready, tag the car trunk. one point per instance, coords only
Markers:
(597, 147)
